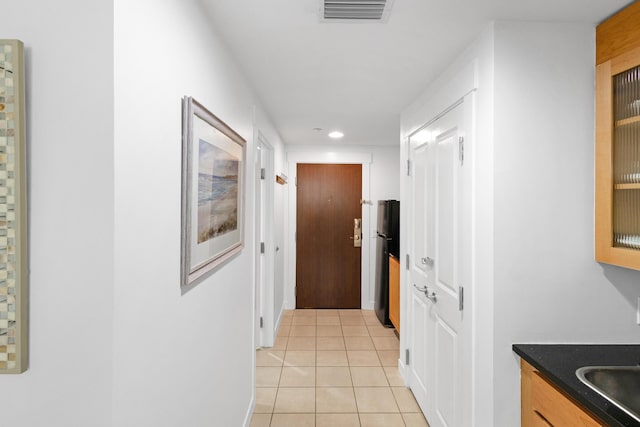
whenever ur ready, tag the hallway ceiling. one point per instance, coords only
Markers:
(358, 76)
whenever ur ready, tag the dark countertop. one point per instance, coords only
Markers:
(558, 363)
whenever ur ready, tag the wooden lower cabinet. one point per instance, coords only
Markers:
(544, 405)
(538, 421)
(394, 292)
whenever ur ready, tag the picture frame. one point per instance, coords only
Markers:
(14, 277)
(213, 193)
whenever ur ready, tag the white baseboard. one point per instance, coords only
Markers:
(276, 326)
(252, 406)
(403, 372)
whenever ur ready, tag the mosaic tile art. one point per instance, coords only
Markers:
(12, 297)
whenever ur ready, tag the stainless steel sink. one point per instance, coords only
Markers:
(620, 385)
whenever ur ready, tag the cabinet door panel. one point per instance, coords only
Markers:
(538, 421)
(555, 407)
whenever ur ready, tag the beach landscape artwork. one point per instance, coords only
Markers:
(213, 157)
(217, 192)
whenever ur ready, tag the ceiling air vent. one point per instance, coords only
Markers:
(366, 10)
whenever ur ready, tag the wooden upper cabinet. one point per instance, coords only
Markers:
(617, 207)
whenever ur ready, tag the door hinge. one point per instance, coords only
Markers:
(261, 322)
(408, 167)
(408, 265)
(261, 247)
(263, 173)
(406, 356)
(461, 149)
(296, 181)
(460, 298)
(295, 236)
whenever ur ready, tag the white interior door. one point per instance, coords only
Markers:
(260, 264)
(265, 244)
(419, 231)
(440, 210)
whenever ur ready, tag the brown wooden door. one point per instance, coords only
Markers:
(327, 263)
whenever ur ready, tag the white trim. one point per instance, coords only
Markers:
(402, 368)
(330, 157)
(264, 229)
(294, 157)
(440, 96)
(252, 405)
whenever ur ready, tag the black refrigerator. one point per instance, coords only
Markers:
(387, 243)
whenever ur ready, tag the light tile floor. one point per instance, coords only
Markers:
(333, 368)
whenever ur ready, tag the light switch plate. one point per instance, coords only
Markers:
(638, 312)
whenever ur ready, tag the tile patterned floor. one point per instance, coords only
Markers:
(333, 368)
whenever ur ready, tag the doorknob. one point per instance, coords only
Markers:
(427, 261)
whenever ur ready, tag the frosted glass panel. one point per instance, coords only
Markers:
(626, 93)
(626, 163)
(626, 225)
(626, 159)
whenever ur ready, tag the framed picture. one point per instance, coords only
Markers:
(212, 193)
(14, 293)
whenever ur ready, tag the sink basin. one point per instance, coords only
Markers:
(620, 385)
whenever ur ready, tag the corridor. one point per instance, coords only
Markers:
(333, 368)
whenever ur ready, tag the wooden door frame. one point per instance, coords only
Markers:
(330, 157)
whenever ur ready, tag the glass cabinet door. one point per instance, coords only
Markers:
(626, 159)
(617, 207)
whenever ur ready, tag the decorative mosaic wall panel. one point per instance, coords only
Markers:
(13, 210)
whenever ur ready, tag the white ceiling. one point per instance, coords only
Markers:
(358, 77)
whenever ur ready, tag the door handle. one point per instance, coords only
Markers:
(357, 233)
(430, 295)
(427, 261)
(423, 289)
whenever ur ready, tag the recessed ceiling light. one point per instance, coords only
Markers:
(336, 134)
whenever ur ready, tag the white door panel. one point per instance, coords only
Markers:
(419, 271)
(445, 209)
(446, 374)
(419, 312)
(420, 193)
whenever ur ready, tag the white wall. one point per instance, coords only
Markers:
(69, 85)
(280, 203)
(280, 235)
(383, 183)
(548, 288)
(536, 280)
(178, 360)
